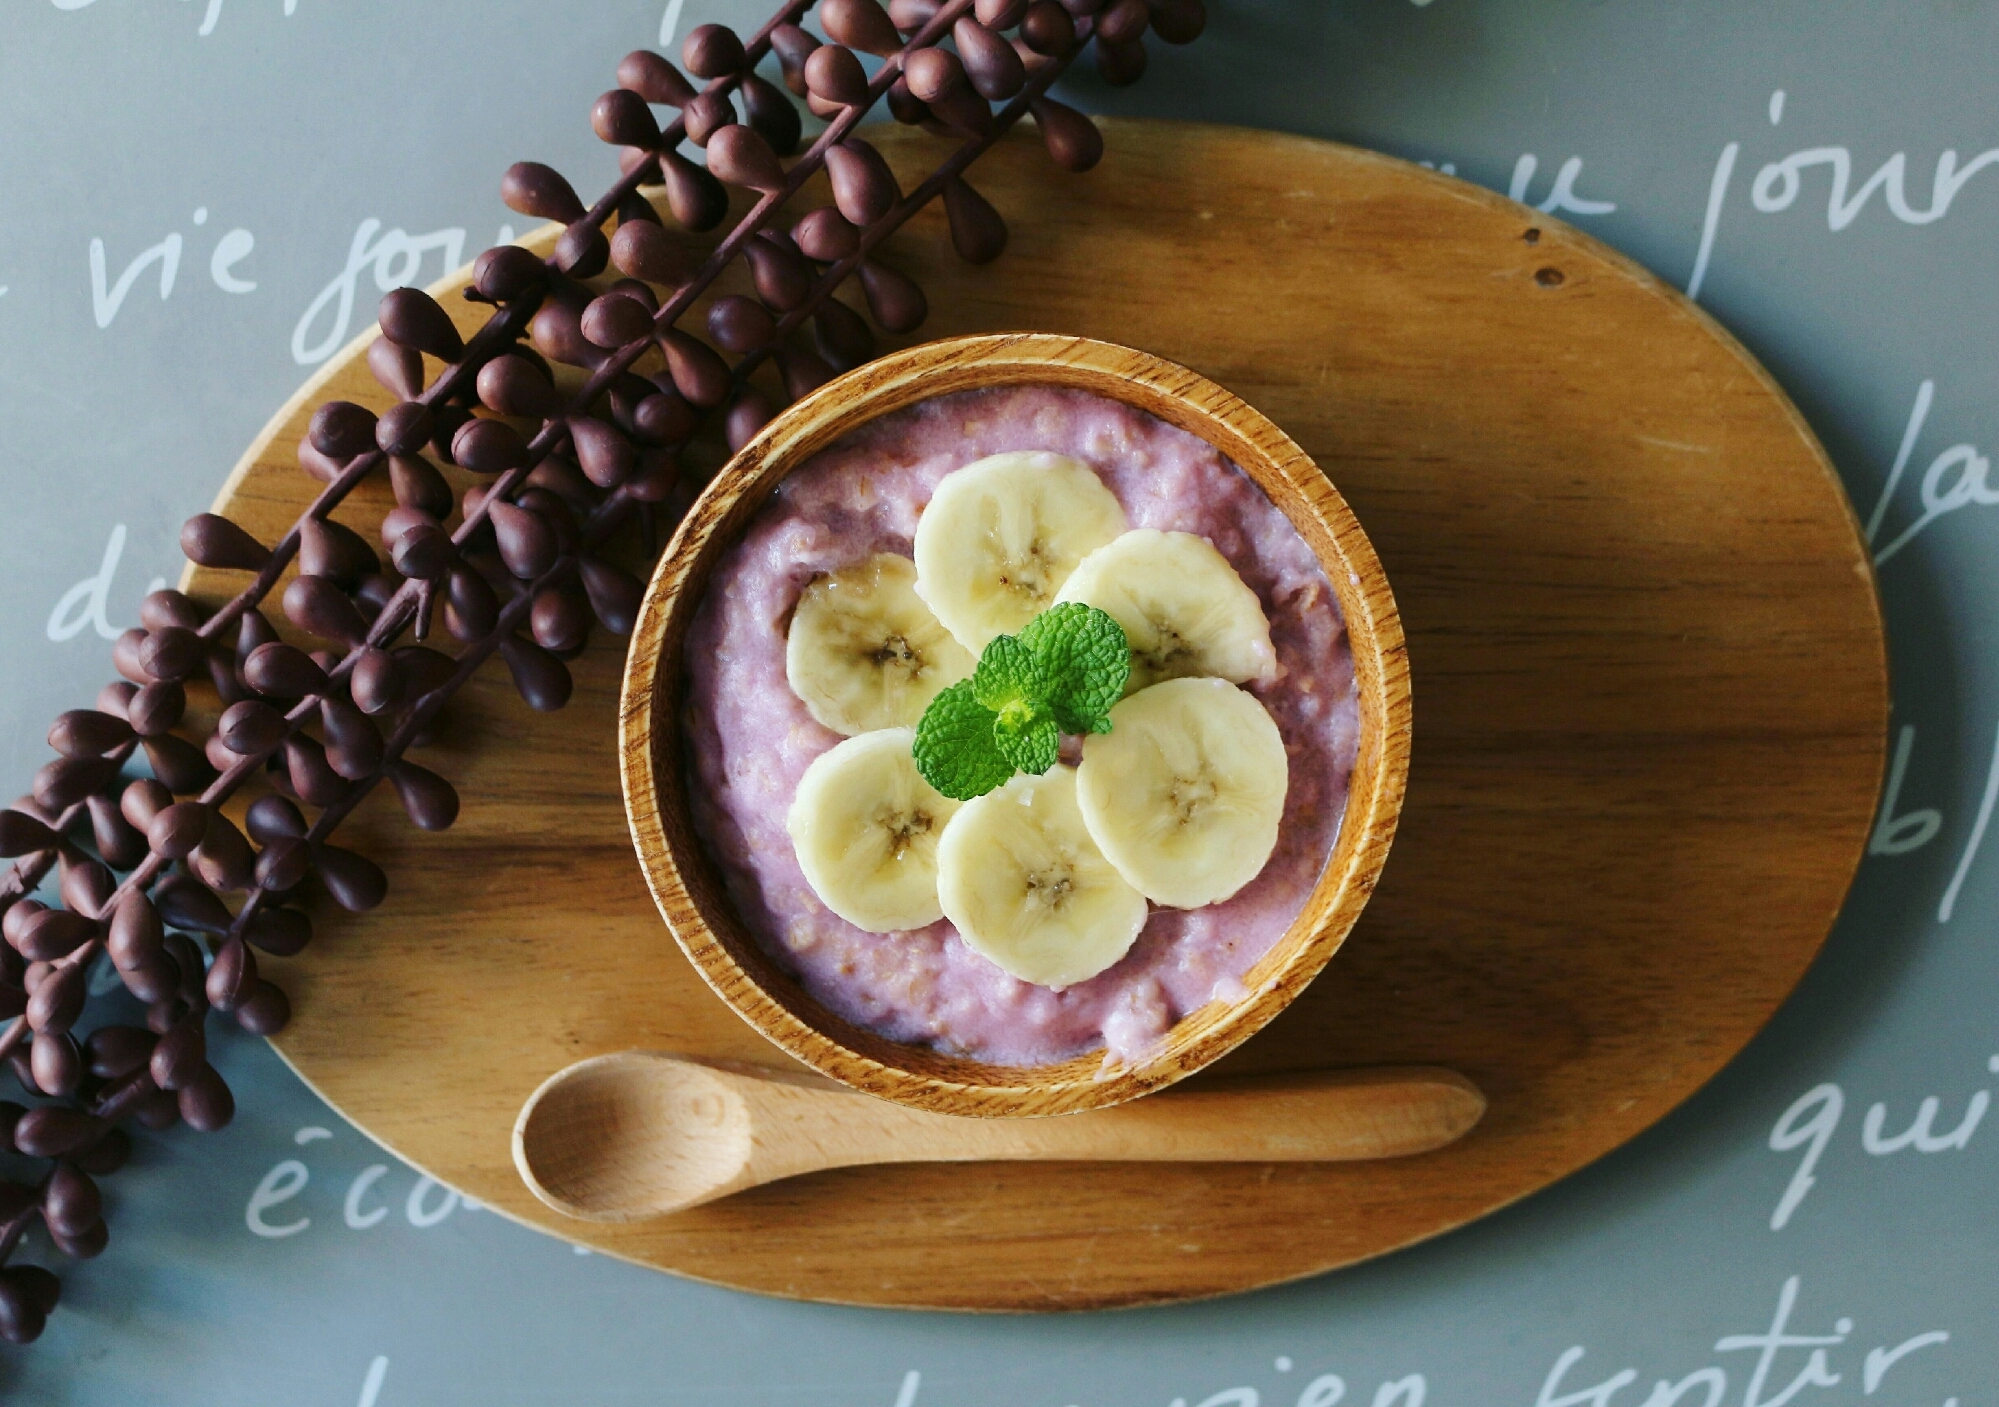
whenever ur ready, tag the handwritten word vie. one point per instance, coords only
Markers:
(106, 298)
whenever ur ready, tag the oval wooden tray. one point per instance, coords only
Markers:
(1650, 678)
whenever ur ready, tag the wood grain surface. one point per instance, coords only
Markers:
(688, 886)
(1651, 711)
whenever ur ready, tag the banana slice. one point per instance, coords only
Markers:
(866, 827)
(865, 652)
(1027, 888)
(1184, 793)
(1001, 535)
(1181, 604)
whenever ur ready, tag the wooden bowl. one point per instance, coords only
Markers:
(684, 880)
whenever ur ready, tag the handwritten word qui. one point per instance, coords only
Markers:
(423, 1208)
(1772, 1349)
(1780, 184)
(230, 250)
(1814, 1117)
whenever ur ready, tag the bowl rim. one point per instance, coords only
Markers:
(683, 880)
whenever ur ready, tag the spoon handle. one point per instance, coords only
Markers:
(1318, 1116)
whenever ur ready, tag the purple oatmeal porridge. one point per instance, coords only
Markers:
(750, 738)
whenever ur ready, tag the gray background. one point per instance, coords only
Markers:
(122, 118)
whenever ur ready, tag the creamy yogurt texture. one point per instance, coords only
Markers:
(749, 738)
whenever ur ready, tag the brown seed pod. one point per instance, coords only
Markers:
(582, 251)
(897, 303)
(406, 429)
(143, 799)
(311, 776)
(741, 156)
(266, 1011)
(205, 1101)
(280, 932)
(841, 335)
(526, 541)
(748, 413)
(224, 860)
(506, 272)
(793, 46)
(53, 1131)
(614, 594)
(412, 318)
(171, 652)
(317, 605)
(646, 251)
(993, 68)
(864, 188)
(559, 620)
(999, 14)
(430, 802)
(557, 332)
(1179, 21)
(860, 24)
(654, 78)
(622, 118)
(113, 1052)
(1047, 29)
(740, 324)
(771, 115)
(356, 883)
(22, 834)
(782, 277)
(178, 763)
(210, 540)
(1121, 65)
(542, 679)
(1071, 138)
(834, 75)
(335, 551)
(933, 73)
(66, 781)
(706, 115)
(605, 456)
(698, 201)
(116, 840)
(826, 235)
(616, 320)
(398, 369)
(540, 191)
(911, 15)
(282, 864)
(978, 232)
(804, 372)
(353, 745)
(56, 1062)
(698, 374)
(188, 904)
(232, 976)
(488, 447)
(417, 484)
(283, 671)
(341, 430)
(87, 884)
(712, 51)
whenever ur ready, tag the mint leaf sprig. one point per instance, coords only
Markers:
(1061, 674)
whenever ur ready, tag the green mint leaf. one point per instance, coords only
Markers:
(1029, 740)
(1009, 676)
(1085, 659)
(956, 749)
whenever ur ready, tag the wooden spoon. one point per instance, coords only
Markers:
(636, 1135)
